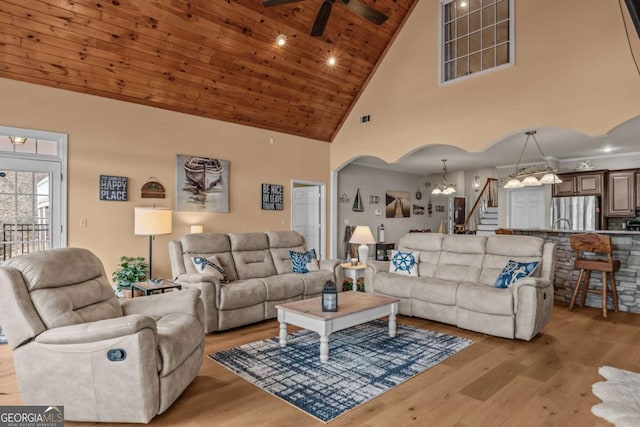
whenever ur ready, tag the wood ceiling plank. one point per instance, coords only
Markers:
(208, 58)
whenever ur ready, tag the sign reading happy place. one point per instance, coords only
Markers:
(113, 188)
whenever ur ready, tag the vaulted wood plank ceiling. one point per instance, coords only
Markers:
(211, 58)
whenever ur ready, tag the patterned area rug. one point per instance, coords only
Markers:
(620, 395)
(364, 362)
(3, 339)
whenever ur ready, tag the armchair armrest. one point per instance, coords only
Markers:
(377, 266)
(536, 282)
(156, 306)
(329, 264)
(96, 331)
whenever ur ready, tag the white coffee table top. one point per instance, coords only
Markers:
(348, 303)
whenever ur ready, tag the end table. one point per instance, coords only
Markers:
(354, 272)
(147, 289)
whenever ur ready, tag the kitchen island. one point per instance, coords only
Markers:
(626, 248)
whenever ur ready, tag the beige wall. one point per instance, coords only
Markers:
(572, 70)
(118, 138)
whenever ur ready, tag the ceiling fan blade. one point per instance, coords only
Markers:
(268, 3)
(322, 18)
(365, 11)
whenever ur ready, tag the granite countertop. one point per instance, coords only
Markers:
(549, 230)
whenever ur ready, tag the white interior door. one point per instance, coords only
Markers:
(306, 216)
(30, 206)
(527, 208)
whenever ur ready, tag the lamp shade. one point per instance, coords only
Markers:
(514, 183)
(362, 235)
(152, 221)
(531, 181)
(550, 178)
(197, 229)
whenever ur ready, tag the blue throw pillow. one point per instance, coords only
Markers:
(404, 263)
(210, 266)
(514, 271)
(302, 262)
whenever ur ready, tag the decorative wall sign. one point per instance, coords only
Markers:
(152, 189)
(202, 184)
(374, 200)
(418, 209)
(113, 188)
(272, 197)
(398, 204)
(439, 208)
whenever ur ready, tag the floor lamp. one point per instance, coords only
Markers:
(152, 222)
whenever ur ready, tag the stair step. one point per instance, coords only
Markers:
(486, 221)
(490, 215)
(492, 209)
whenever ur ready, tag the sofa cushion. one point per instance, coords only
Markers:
(210, 266)
(461, 258)
(240, 294)
(429, 245)
(515, 271)
(404, 263)
(485, 299)
(282, 258)
(283, 286)
(314, 281)
(500, 249)
(393, 284)
(206, 245)
(304, 262)
(251, 255)
(434, 290)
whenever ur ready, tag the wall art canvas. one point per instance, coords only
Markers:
(398, 204)
(202, 184)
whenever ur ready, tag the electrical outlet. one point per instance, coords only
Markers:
(83, 223)
(346, 221)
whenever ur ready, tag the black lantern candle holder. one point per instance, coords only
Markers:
(329, 297)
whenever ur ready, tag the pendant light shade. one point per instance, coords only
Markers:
(444, 188)
(530, 177)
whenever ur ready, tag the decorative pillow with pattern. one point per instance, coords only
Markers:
(304, 262)
(210, 266)
(514, 271)
(405, 263)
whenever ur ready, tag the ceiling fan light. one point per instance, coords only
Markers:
(281, 40)
(550, 178)
(531, 181)
(514, 183)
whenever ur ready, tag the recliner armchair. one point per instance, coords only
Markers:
(75, 344)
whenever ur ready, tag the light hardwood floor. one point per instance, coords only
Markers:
(494, 382)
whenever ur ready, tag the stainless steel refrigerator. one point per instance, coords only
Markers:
(575, 213)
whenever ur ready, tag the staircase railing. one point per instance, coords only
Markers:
(488, 198)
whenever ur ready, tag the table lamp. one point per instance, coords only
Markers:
(364, 237)
(152, 222)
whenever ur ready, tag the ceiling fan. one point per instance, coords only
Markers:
(322, 17)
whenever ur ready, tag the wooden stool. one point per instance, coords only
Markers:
(600, 244)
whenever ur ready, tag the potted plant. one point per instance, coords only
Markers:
(130, 270)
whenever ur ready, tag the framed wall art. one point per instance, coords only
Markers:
(272, 197)
(202, 184)
(398, 204)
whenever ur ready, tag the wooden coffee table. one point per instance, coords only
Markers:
(354, 308)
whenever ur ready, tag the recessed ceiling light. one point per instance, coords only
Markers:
(281, 40)
(607, 149)
(463, 4)
(331, 61)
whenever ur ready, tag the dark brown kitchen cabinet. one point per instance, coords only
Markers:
(637, 190)
(621, 193)
(579, 184)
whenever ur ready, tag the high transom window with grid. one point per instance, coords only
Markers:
(476, 36)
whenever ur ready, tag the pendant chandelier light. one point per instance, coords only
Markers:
(444, 188)
(476, 182)
(529, 176)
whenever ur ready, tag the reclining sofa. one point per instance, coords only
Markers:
(258, 270)
(456, 277)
